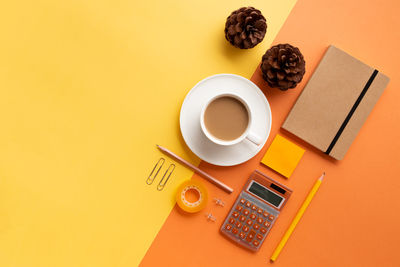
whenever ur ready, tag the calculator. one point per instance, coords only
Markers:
(255, 211)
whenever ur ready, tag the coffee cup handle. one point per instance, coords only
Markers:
(255, 139)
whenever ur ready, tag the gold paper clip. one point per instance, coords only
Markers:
(159, 163)
(170, 170)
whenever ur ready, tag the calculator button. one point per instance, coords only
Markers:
(238, 224)
(256, 226)
(256, 243)
(263, 230)
(239, 208)
(259, 211)
(253, 216)
(249, 222)
(228, 227)
(258, 236)
(246, 212)
(266, 214)
(260, 220)
(267, 224)
(242, 235)
(242, 201)
(250, 236)
(254, 207)
(235, 231)
(231, 221)
(271, 217)
(235, 214)
(245, 228)
(248, 204)
(242, 218)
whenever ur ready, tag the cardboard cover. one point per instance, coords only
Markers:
(335, 102)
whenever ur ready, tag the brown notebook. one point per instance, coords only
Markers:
(335, 102)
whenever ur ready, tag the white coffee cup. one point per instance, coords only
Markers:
(247, 134)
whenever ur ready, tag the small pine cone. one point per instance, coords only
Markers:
(245, 27)
(283, 66)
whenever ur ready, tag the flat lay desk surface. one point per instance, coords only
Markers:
(89, 87)
(353, 220)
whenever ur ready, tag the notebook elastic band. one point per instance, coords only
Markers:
(353, 109)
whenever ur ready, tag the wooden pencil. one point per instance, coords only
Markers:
(297, 218)
(196, 170)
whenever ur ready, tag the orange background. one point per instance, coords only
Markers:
(354, 218)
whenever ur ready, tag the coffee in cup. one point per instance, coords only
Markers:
(226, 120)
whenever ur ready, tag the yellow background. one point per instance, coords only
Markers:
(87, 90)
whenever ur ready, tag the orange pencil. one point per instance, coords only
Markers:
(196, 170)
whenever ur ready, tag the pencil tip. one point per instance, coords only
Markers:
(322, 176)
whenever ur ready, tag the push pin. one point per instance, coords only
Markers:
(210, 217)
(219, 202)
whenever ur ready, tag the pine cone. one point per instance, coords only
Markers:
(283, 66)
(245, 27)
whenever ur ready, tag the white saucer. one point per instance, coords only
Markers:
(199, 96)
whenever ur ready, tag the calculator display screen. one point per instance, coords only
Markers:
(265, 194)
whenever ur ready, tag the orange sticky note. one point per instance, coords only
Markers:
(283, 156)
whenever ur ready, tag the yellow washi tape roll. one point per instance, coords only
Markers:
(195, 188)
